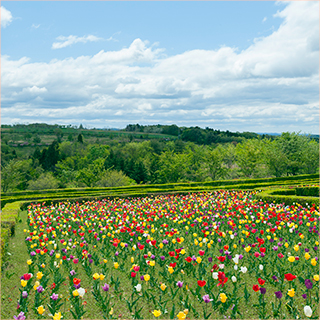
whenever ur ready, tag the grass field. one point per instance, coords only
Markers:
(220, 254)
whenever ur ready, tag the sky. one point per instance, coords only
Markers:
(228, 65)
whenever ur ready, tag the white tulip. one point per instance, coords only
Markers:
(138, 287)
(261, 267)
(307, 311)
(215, 275)
(81, 292)
(235, 267)
(234, 279)
(243, 269)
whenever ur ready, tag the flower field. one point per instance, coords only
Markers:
(207, 255)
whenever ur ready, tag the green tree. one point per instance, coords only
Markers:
(173, 167)
(15, 174)
(215, 162)
(249, 157)
(44, 182)
(114, 178)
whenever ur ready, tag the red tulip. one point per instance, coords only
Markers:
(133, 274)
(201, 252)
(255, 287)
(201, 283)
(261, 281)
(289, 276)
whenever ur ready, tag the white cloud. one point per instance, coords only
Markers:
(70, 40)
(6, 17)
(272, 86)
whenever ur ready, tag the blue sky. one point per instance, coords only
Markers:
(229, 65)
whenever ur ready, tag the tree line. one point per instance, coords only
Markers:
(71, 164)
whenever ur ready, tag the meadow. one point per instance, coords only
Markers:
(220, 254)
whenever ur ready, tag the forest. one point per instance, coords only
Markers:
(41, 156)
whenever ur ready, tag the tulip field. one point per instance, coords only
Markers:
(213, 255)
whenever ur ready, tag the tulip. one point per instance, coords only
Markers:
(223, 297)
(206, 298)
(116, 265)
(163, 286)
(81, 292)
(146, 277)
(291, 292)
(96, 276)
(41, 309)
(24, 283)
(316, 277)
(106, 287)
(156, 313)
(307, 311)
(138, 287)
(181, 315)
(102, 277)
(57, 316)
(234, 279)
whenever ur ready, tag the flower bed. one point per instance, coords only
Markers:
(171, 256)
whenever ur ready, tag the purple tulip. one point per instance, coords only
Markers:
(54, 296)
(24, 294)
(263, 290)
(106, 287)
(206, 298)
(180, 284)
(278, 294)
(40, 289)
(308, 283)
(20, 316)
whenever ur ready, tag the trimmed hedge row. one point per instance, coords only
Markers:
(280, 196)
(9, 217)
(210, 185)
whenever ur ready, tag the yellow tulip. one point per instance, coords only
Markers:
(307, 256)
(316, 277)
(105, 260)
(152, 263)
(146, 277)
(163, 287)
(116, 265)
(156, 313)
(39, 275)
(181, 315)
(41, 309)
(223, 297)
(314, 262)
(291, 259)
(29, 262)
(296, 248)
(58, 255)
(102, 276)
(170, 269)
(24, 283)
(57, 316)
(75, 293)
(132, 259)
(96, 276)
(291, 293)
(247, 249)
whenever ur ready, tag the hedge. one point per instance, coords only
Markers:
(9, 217)
(279, 196)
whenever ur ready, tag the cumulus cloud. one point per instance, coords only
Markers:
(271, 86)
(6, 17)
(70, 40)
